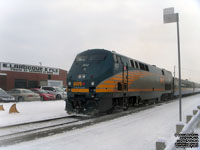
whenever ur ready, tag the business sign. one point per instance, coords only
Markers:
(28, 68)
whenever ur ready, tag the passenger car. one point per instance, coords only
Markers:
(58, 92)
(43, 94)
(5, 97)
(24, 95)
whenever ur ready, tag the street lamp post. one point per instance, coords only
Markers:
(170, 17)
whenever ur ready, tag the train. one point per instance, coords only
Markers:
(100, 81)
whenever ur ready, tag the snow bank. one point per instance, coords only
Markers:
(32, 111)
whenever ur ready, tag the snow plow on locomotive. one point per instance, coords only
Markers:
(100, 80)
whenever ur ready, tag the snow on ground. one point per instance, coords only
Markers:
(138, 131)
(32, 111)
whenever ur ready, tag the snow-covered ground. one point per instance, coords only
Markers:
(138, 131)
(32, 111)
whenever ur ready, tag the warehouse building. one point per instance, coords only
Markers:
(14, 75)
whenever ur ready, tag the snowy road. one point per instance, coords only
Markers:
(138, 131)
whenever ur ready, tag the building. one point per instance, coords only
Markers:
(14, 75)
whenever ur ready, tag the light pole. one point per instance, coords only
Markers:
(170, 17)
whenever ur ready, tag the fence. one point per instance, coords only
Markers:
(192, 122)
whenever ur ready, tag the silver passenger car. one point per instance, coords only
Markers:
(58, 92)
(24, 95)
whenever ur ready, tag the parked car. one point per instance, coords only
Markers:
(58, 92)
(24, 95)
(5, 97)
(43, 94)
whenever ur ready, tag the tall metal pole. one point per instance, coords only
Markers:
(174, 70)
(179, 68)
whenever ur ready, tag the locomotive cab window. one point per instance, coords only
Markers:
(163, 73)
(132, 64)
(146, 67)
(141, 66)
(119, 59)
(97, 57)
(115, 58)
(136, 64)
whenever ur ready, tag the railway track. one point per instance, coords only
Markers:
(18, 133)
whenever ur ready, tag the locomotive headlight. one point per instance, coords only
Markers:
(69, 83)
(69, 90)
(92, 83)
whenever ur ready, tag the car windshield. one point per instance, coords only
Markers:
(27, 91)
(2, 91)
(14, 92)
(39, 91)
(59, 89)
(42, 91)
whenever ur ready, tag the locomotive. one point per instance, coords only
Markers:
(100, 80)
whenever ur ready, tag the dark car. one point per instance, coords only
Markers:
(44, 94)
(5, 97)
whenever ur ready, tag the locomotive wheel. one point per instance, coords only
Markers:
(110, 111)
(125, 104)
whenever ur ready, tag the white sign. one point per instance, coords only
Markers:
(55, 83)
(167, 11)
(169, 15)
(28, 68)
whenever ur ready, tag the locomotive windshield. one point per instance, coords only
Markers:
(81, 58)
(94, 57)
(97, 57)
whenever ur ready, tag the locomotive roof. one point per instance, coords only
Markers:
(113, 52)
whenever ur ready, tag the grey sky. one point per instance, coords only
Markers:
(54, 31)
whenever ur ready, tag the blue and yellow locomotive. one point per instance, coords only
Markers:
(100, 80)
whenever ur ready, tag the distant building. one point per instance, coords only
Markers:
(14, 75)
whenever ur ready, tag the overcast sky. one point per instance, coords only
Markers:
(55, 31)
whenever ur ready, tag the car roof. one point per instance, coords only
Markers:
(35, 89)
(20, 89)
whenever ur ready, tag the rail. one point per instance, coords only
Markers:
(192, 122)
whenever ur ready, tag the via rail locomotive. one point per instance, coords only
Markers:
(100, 80)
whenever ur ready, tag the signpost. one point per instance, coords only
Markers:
(171, 17)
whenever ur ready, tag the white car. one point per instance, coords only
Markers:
(58, 92)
